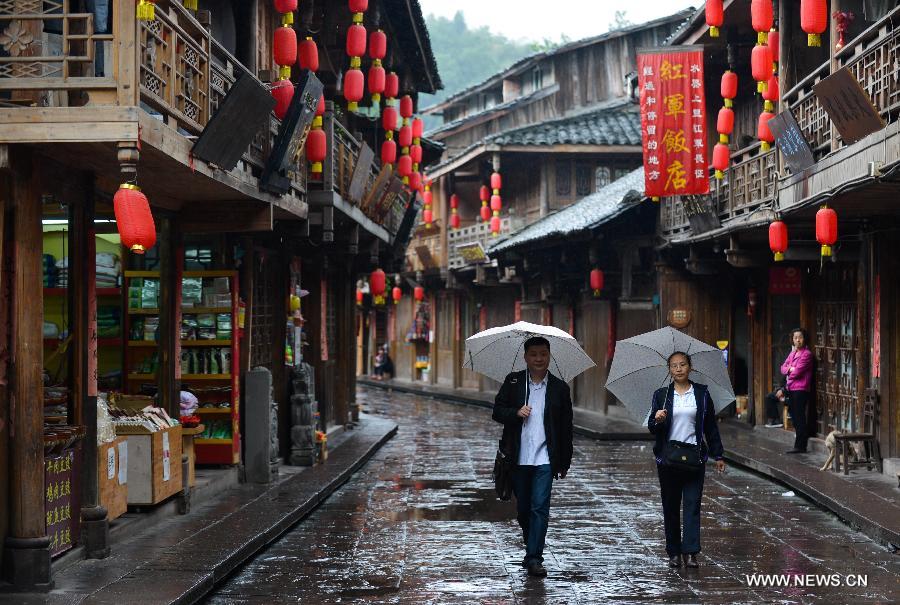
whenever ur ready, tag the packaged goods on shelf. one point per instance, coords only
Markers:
(191, 291)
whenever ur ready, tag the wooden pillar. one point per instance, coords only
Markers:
(169, 331)
(83, 305)
(26, 558)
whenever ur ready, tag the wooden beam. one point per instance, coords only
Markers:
(226, 217)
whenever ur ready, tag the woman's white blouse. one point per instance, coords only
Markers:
(684, 417)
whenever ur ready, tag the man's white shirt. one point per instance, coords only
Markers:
(533, 451)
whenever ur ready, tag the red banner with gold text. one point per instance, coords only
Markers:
(673, 121)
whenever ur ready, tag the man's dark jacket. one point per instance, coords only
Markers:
(557, 419)
(705, 426)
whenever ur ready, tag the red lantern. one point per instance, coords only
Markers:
(496, 181)
(729, 87)
(761, 65)
(406, 107)
(134, 218)
(308, 55)
(377, 281)
(418, 129)
(419, 293)
(496, 203)
(356, 40)
(771, 93)
(484, 193)
(596, 281)
(283, 92)
(778, 239)
(826, 229)
(762, 17)
(428, 197)
(495, 225)
(774, 48)
(285, 6)
(454, 201)
(715, 14)
(388, 152)
(389, 118)
(814, 20)
(404, 166)
(763, 133)
(725, 121)
(415, 152)
(415, 180)
(353, 88)
(427, 217)
(720, 159)
(316, 148)
(454, 221)
(391, 86)
(397, 294)
(405, 138)
(377, 45)
(285, 47)
(359, 296)
(376, 82)
(358, 6)
(485, 213)
(320, 108)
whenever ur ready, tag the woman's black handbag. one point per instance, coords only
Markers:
(684, 456)
(503, 480)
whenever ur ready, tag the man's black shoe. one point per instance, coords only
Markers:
(537, 570)
(675, 561)
(691, 561)
(796, 451)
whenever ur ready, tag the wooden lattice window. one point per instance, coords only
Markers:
(582, 179)
(262, 315)
(563, 178)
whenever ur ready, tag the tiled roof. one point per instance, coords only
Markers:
(587, 213)
(616, 125)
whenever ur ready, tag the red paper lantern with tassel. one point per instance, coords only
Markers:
(454, 221)
(358, 6)
(406, 107)
(814, 20)
(389, 118)
(388, 152)
(356, 40)
(485, 213)
(418, 129)
(725, 121)
(404, 166)
(397, 295)
(763, 133)
(285, 6)
(134, 219)
(762, 18)
(353, 88)
(415, 180)
(761, 65)
(419, 293)
(427, 218)
(496, 181)
(377, 45)
(495, 226)
(316, 148)
(778, 239)
(770, 96)
(596, 281)
(415, 152)
(320, 108)
(377, 282)
(405, 138)
(720, 160)
(774, 42)
(284, 49)
(308, 55)
(728, 87)
(376, 81)
(392, 85)
(283, 92)
(359, 297)
(826, 229)
(715, 15)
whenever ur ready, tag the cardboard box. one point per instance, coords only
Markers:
(112, 468)
(154, 466)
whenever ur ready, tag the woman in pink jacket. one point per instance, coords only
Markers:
(798, 369)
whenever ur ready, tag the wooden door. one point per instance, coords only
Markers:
(591, 330)
(468, 315)
(404, 352)
(444, 321)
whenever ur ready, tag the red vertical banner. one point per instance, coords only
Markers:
(673, 121)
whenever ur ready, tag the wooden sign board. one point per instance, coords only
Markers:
(679, 318)
(701, 213)
(361, 171)
(790, 140)
(849, 107)
(243, 113)
(472, 252)
(425, 257)
(292, 134)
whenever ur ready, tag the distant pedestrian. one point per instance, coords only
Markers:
(798, 369)
(773, 402)
(384, 365)
(683, 419)
(535, 408)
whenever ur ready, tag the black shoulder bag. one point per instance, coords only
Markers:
(504, 465)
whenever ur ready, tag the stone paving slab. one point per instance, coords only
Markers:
(182, 558)
(596, 425)
(866, 500)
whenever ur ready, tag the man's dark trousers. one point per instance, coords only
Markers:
(532, 485)
(677, 485)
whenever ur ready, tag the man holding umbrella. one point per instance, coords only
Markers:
(535, 408)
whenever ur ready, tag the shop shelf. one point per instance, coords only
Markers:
(143, 311)
(142, 274)
(213, 411)
(141, 376)
(109, 342)
(199, 310)
(206, 376)
(212, 441)
(143, 343)
(206, 343)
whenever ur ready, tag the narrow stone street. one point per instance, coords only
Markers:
(420, 524)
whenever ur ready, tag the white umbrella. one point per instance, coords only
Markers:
(498, 351)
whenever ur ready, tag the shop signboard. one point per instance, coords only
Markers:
(673, 121)
(700, 211)
(784, 280)
(59, 503)
(849, 107)
(790, 140)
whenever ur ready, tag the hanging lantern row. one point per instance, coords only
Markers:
(316, 141)
(814, 20)
(496, 203)
(454, 211)
(826, 233)
(715, 15)
(485, 195)
(377, 75)
(405, 167)
(354, 81)
(725, 124)
(427, 214)
(596, 282)
(134, 220)
(419, 293)
(389, 119)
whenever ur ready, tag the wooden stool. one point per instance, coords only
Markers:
(867, 438)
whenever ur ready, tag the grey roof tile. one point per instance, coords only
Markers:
(617, 125)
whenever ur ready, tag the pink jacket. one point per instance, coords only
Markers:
(798, 368)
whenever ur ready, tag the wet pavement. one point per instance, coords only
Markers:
(419, 524)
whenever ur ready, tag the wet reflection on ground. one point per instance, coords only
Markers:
(420, 524)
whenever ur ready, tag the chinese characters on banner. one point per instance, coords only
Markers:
(673, 121)
(60, 507)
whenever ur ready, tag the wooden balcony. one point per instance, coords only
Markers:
(480, 232)
(156, 83)
(354, 181)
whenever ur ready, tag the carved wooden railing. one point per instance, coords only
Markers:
(479, 232)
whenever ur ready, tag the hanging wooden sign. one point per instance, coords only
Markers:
(849, 107)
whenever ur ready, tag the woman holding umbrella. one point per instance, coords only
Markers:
(683, 419)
